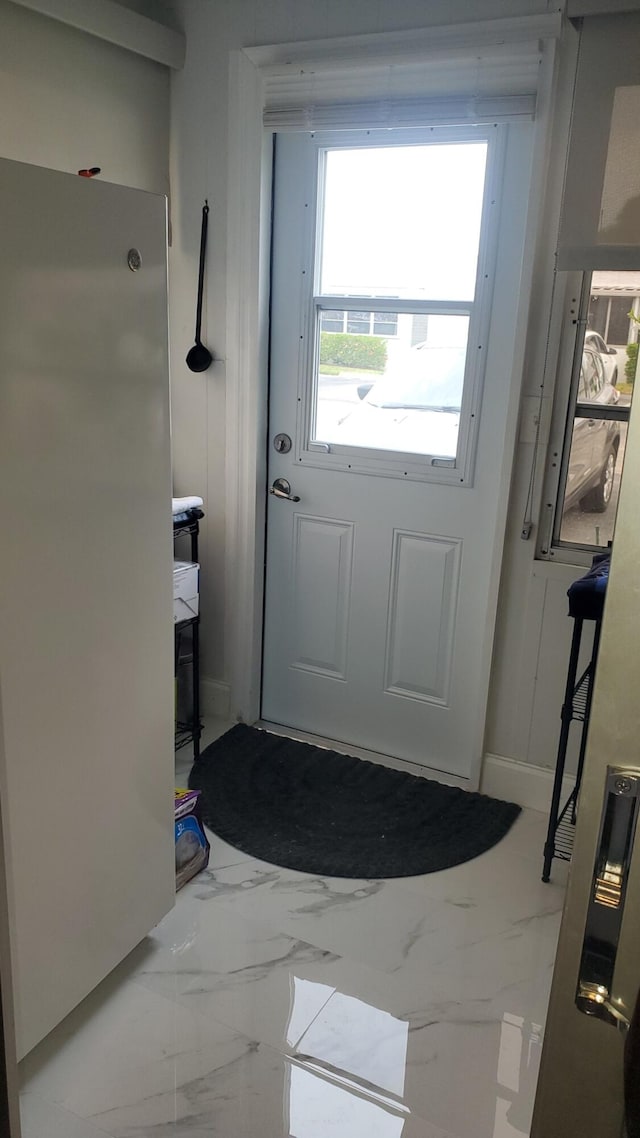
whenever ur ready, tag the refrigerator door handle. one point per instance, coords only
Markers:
(594, 993)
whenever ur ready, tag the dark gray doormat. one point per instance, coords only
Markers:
(315, 810)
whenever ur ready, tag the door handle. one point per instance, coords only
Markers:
(282, 489)
(606, 902)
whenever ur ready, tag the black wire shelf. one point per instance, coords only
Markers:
(188, 732)
(575, 709)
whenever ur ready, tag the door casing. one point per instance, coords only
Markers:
(249, 235)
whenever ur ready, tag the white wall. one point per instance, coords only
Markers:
(70, 101)
(533, 630)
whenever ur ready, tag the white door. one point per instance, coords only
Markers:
(588, 1080)
(86, 636)
(395, 297)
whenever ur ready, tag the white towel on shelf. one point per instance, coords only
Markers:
(182, 504)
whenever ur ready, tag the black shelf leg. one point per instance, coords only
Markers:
(197, 727)
(566, 716)
(587, 714)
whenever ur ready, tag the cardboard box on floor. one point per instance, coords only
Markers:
(192, 847)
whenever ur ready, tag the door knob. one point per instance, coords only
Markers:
(282, 489)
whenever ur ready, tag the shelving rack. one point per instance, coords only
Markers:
(586, 603)
(187, 524)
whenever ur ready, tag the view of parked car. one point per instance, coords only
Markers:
(608, 356)
(596, 442)
(413, 408)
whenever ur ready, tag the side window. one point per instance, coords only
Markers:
(590, 416)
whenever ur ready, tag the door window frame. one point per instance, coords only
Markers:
(460, 470)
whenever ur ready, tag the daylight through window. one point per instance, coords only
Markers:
(398, 248)
(604, 372)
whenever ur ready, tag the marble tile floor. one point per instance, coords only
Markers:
(271, 1003)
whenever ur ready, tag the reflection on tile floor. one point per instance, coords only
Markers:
(271, 1003)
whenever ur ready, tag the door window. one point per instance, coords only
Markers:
(401, 269)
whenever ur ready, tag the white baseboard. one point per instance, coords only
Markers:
(528, 785)
(214, 698)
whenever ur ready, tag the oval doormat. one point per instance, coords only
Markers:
(315, 810)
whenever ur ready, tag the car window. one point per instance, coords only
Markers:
(596, 342)
(600, 376)
(590, 375)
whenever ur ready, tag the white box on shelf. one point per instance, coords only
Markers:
(186, 599)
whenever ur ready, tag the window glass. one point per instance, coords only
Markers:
(592, 523)
(398, 397)
(375, 323)
(595, 440)
(396, 223)
(358, 323)
(591, 375)
(385, 324)
(403, 221)
(332, 321)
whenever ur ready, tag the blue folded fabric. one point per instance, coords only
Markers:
(586, 595)
(192, 515)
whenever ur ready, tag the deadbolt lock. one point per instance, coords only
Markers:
(282, 443)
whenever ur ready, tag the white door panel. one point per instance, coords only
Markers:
(379, 587)
(86, 642)
(322, 568)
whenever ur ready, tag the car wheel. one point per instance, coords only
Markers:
(597, 500)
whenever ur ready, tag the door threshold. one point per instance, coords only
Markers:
(362, 753)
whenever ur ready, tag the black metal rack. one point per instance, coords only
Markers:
(187, 524)
(576, 708)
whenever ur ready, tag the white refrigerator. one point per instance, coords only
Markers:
(86, 641)
(583, 1088)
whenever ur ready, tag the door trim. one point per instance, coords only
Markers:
(9, 1084)
(249, 235)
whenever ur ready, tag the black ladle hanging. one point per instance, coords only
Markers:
(199, 358)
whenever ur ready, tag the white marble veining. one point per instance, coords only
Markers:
(272, 1003)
